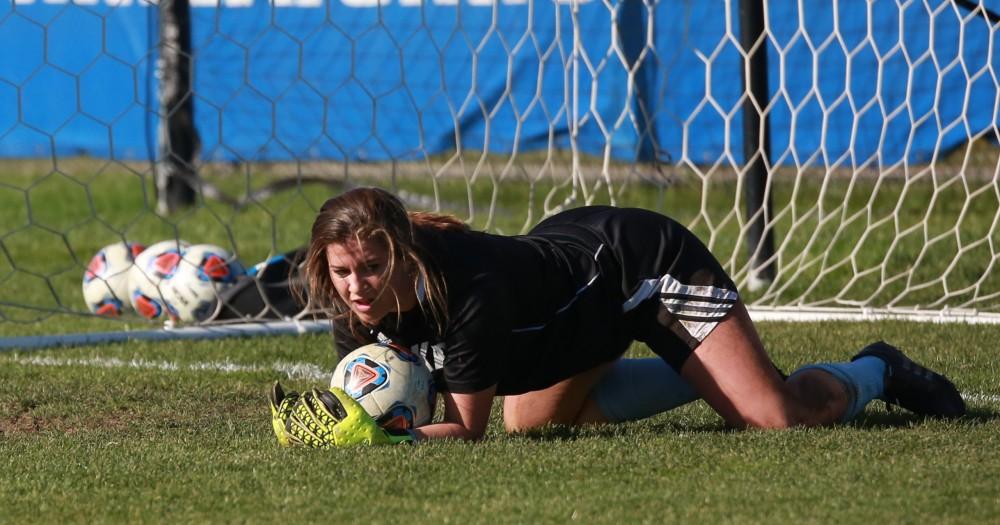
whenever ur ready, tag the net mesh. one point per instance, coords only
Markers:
(882, 169)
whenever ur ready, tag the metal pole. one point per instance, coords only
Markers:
(176, 178)
(756, 144)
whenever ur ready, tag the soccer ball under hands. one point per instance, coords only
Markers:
(392, 385)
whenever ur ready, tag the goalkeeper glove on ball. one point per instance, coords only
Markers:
(281, 409)
(328, 418)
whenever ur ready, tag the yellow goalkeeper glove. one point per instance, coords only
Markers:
(281, 409)
(331, 418)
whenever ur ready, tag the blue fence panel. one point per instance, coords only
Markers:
(402, 79)
(75, 80)
(370, 82)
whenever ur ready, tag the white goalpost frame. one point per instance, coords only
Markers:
(269, 328)
(302, 327)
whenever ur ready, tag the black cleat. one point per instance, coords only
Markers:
(914, 387)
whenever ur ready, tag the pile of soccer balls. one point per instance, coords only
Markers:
(171, 278)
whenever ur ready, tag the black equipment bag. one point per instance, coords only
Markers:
(267, 291)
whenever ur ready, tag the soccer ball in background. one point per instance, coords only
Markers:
(155, 264)
(191, 292)
(105, 282)
(394, 386)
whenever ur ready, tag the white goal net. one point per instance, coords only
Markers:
(838, 156)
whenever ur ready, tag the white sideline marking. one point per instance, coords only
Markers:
(291, 370)
(982, 398)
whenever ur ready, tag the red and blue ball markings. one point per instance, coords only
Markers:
(98, 265)
(215, 268)
(165, 264)
(364, 376)
(109, 307)
(146, 306)
(399, 417)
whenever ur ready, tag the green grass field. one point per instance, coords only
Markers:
(180, 431)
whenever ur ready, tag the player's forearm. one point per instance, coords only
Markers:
(447, 430)
(465, 416)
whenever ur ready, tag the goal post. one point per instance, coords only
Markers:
(839, 157)
(756, 145)
(176, 176)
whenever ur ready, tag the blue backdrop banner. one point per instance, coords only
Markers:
(851, 82)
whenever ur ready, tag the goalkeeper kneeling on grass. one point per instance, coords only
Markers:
(543, 319)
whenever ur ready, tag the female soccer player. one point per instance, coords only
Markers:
(543, 319)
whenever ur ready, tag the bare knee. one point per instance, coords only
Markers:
(560, 404)
(514, 427)
(521, 415)
(777, 417)
(514, 423)
(806, 399)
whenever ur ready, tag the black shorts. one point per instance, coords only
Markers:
(672, 290)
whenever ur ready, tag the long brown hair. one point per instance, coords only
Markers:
(373, 214)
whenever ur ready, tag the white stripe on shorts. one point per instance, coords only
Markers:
(698, 308)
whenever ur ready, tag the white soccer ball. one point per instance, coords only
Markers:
(105, 283)
(393, 386)
(191, 293)
(155, 264)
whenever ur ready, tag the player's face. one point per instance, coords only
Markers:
(358, 272)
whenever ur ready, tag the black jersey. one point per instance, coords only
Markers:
(528, 311)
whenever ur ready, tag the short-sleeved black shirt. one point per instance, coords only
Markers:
(528, 311)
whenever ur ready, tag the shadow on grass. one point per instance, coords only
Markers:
(869, 421)
(900, 418)
(570, 433)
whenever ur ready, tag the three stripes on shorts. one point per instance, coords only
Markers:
(697, 307)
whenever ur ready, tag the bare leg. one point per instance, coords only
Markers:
(561, 403)
(733, 373)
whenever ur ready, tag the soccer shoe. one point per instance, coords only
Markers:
(912, 386)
